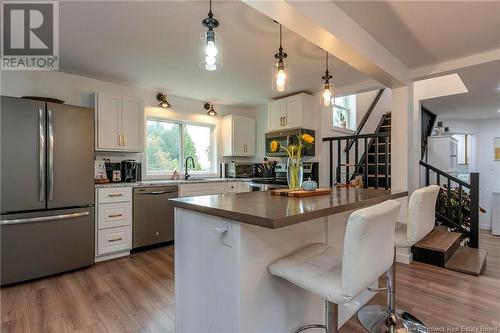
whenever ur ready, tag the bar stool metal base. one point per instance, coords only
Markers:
(375, 318)
(331, 320)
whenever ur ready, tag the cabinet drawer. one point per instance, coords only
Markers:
(114, 194)
(114, 240)
(232, 187)
(191, 190)
(114, 215)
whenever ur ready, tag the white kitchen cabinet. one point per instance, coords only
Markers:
(292, 112)
(442, 153)
(119, 123)
(195, 189)
(113, 222)
(238, 135)
(132, 124)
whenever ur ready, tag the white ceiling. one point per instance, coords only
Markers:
(157, 45)
(481, 102)
(422, 33)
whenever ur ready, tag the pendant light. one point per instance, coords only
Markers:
(280, 69)
(327, 92)
(211, 55)
(210, 109)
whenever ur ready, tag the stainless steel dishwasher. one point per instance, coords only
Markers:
(153, 216)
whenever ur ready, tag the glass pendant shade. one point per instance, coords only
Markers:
(327, 91)
(211, 51)
(281, 77)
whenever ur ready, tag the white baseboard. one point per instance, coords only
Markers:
(112, 256)
(404, 258)
(485, 227)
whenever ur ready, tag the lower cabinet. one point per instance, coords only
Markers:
(189, 190)
(113, 222)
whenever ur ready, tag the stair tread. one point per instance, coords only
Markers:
(468, 260)
(439, 240)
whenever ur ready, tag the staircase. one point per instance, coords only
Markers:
(454, 244)
(379, 163)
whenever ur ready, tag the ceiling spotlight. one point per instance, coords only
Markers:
(210, 109)
(162, 98)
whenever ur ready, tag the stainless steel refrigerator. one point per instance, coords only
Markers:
(46, 188)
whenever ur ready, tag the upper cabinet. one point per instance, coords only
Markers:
(119, 123)
(238, 135)
(291, 112)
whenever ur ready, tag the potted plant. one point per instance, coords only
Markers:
(343, 122)
(295, 170)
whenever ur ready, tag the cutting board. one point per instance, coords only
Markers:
(300, 193)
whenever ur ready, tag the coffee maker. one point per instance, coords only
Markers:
(131, 171)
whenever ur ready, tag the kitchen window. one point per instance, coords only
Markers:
(169, 143)
(344, 112)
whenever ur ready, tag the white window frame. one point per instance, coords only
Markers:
(351, 115)
(168, 175)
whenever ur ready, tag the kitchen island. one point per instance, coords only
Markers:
(224, 243)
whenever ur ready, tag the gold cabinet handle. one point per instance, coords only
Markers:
(123, 136)
(115, 195)
(115, 239)
(115, 215)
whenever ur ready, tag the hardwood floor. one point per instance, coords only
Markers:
(136, 294)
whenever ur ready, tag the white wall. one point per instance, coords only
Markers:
(79, 90)
(489, 170)
(483, 160)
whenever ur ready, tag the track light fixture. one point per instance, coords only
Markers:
(162, 98)
(210, 109)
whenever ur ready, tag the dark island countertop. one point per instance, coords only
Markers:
(270, 211)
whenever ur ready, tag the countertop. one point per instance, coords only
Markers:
(270, 211)
(147, 183)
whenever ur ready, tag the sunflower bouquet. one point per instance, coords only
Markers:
(294, 152)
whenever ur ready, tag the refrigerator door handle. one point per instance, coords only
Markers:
(45, 218)
(41, 153)
(50, 178)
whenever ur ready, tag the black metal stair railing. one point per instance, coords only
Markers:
(458, 202)
(375, 150)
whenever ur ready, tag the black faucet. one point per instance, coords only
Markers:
(186, 175)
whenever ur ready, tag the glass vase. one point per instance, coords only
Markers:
(295, 173)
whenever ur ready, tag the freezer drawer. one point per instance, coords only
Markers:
(153, 217)
(40, 244)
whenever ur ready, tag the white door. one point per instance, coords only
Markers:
(293, 113)
(108, 116)
(132, 122)
(277, 112)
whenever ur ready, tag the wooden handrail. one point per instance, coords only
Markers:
(442, 173)
(361, 136)
(367, 116)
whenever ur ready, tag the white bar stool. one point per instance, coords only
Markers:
(368, 254)
(421, 221)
